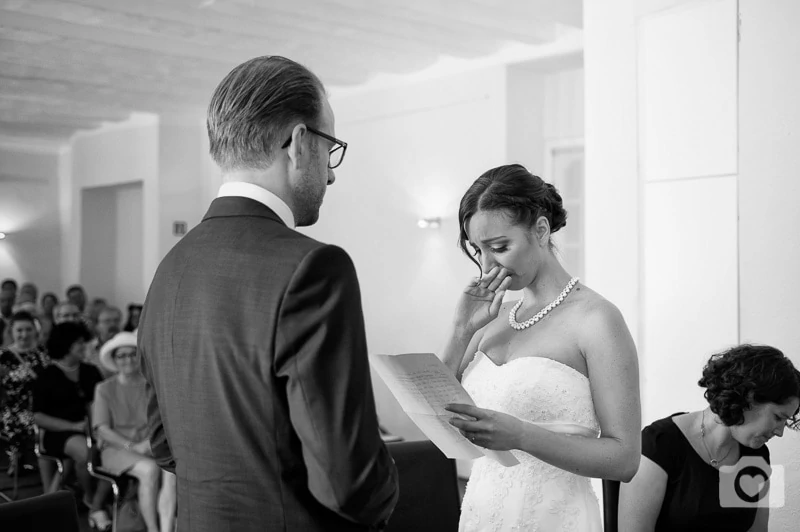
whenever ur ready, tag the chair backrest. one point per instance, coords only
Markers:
(94, 461)
(429, 499)
(55, 511)
(610, 505)
(38, 441)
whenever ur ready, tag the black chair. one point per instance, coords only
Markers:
(14, 459)
(429, 498)
(610, 505)
(118, 482)
(54, 511)
(59, 477)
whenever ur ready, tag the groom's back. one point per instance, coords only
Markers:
(209, 332)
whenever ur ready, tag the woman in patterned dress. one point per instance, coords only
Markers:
(20, 364)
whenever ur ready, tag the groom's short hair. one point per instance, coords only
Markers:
(254, 105)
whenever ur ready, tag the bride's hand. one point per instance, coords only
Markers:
(487, 428)
(481, 300)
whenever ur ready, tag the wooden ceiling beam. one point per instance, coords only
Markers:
(344, 20)
(272, 32)
(567, 12)
(159, 44)
(44, 129)
(464, 18)
(12, 110)
(108, 63)
(60, 91)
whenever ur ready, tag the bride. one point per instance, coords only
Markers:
(555, 373)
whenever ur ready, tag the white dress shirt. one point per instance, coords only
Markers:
(261, 195)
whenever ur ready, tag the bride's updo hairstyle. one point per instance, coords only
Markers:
(516, 192)
(749, 375)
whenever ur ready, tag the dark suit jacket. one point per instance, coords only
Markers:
(260, 399)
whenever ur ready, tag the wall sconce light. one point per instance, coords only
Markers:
(429, 223)
(2, 236)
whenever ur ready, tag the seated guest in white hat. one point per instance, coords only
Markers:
(120, 423)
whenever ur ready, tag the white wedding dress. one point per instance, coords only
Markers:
(534, 495)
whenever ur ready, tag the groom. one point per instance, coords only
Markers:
(252, 336)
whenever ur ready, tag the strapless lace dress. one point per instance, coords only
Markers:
(534, 495)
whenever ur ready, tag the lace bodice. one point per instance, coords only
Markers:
(533, 495)
(536, 389)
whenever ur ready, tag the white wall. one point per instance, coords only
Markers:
(167, 159)
(612, 223)
(183, 165)
(112, 242)
(564, 113)
(29, 213)
(118, 155)
(688, 163)
(129, 240)
(769, 252)
(98, 242)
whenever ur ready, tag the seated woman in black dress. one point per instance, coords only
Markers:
(753, 393)
(62, 396)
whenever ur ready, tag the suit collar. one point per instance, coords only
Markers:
(240, 206)
(261, 195)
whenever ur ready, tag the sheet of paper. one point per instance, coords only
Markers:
(423, 385)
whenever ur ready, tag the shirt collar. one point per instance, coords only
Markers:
(261, 195)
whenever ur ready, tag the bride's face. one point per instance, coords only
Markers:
(496, 241)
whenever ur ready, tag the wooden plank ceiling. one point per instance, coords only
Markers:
(67, 65)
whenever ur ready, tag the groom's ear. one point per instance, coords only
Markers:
(298, 149)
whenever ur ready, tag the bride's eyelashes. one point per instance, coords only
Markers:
(476, 251)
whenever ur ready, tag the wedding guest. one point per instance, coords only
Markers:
(46, 317)
(109, 323)
(134, 311)
(20, 364)
(120, 424)
(7, 299)
(66, 311)
(77, 295)
(93, 312)
(753, 393)
(62, 396)
(49, 302)
(28, 293)
(9, 285)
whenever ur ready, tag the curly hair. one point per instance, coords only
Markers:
(63, 336)
(747, 375)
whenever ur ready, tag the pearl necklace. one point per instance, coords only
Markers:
(713, 461)
(512, 316)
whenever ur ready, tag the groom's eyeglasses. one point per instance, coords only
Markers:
(335, 154)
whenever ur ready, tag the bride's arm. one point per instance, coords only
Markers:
(461, 344)
(479, 304)
(614, 375)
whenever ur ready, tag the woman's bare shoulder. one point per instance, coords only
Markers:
(594, 305)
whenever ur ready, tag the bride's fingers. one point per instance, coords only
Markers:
(497, 301)
(502, 275)
(488, 277)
